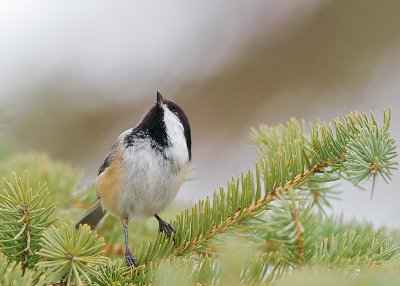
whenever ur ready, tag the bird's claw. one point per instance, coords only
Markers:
(130, 259)
(166, 228)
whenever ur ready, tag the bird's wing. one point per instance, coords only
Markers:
(109, 158)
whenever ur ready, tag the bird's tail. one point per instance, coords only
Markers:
(92, 217)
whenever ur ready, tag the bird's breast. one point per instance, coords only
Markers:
(149, 181)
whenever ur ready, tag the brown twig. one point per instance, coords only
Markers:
(246, 212)
(299, 238)
(26, 252)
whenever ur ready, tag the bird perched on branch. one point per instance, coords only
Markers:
(144, 170)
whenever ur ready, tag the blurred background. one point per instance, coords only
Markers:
(74, 75)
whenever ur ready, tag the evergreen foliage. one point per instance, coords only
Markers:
(23, 218)
(267, 226)
(113, 273)
(11, 274)
(70, 254)
(60, 177)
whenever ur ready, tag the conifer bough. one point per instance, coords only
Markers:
(355, 147)
(70, 253)
(272, 207)
(23, 218)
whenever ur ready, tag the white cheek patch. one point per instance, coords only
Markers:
(178, 151)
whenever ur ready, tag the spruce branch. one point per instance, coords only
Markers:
(12, 274)
(371, 153)
(352, 249)
(61, 178)
(234, 266)
(70, 254)
(261, 268)
(293, 225)
(289, 160)
(113, 273)
(179, 271)
(276, 205)
(23, 218)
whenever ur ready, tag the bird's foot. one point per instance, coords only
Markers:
(130, 260)
(166, 228)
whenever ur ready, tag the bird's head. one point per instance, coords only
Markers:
(167, 124)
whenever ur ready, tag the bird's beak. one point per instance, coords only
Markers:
(160, 99)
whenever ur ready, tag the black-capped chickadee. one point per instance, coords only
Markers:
(144, 170)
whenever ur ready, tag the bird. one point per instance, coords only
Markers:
(144, 170)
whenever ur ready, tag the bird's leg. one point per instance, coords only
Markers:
(165, 227)
(129, 258)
